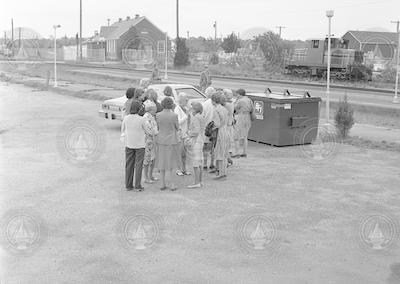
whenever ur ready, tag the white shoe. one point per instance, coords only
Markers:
(194, 186)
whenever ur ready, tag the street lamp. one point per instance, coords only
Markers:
(396, 89)
(329, 14)
(55, 54)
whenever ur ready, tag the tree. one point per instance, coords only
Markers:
(231, 43)
(181, 58)
(274, 49)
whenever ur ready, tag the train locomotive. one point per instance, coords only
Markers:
(311, 61)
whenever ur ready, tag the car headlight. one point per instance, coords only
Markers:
(104, 106)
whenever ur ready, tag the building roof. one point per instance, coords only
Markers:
(106, 31)
(95, 38)
(375, 37)
(116, 30)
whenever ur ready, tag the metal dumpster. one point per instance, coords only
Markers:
(284, 119)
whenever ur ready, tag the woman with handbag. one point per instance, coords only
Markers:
(244, 110)
(194, 142)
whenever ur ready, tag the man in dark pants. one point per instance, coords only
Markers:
(132, 131)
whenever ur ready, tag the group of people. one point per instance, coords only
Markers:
(173, 134)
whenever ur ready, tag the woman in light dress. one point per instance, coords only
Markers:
(243, 108)
(221, 151)
(151, 130)
(231, 121)
(195, 141)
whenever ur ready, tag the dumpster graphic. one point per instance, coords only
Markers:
(259, 109)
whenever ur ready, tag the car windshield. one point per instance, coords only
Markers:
(191, 93)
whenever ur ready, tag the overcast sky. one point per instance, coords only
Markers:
(303, 19)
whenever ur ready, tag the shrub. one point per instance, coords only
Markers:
(181, 58)
(344, 117)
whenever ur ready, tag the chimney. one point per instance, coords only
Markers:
(120, 20)
(128, 18)
(137, 16)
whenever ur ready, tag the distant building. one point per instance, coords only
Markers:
(95, 48)
(379, 45)
(133, 39)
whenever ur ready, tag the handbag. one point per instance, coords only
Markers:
(209, 129)
(252, 115)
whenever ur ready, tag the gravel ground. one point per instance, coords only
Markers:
(285, 215)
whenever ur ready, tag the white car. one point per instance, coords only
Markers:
(112, 109)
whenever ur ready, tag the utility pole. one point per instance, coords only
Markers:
(396, 88)
(12, 36)
(215, 30)
(80, 30)
(166, 57)
(177, 19)
(108, 22)
(280, 30)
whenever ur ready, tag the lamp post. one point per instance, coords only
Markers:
(329, 14)
(55, 54)
(396, 89)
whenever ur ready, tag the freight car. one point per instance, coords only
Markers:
(311, 61)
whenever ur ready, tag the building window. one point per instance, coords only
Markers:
(161, 46)
(315, 44)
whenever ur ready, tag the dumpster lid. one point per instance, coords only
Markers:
(280, 96)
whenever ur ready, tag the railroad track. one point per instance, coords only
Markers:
(245, 79)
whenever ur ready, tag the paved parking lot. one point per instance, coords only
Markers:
(285, 215)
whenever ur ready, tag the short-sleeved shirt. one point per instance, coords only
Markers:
(133, 127)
